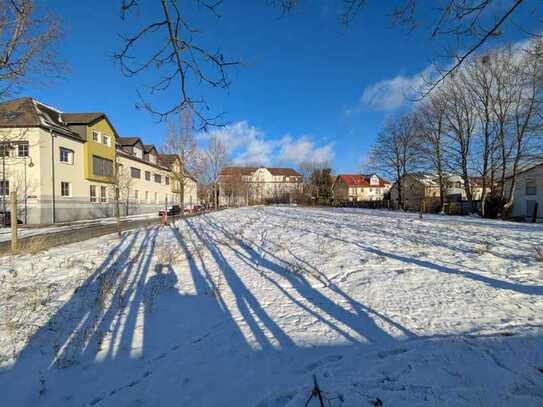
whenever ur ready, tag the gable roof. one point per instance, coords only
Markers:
(27, 112)
(129, 141)
(360, 180)
(288, 172)
(81, 118)
(236, 171)
(147, 148)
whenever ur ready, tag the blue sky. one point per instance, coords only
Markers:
(307, 87)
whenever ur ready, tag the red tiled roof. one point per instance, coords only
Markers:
(288, 172)
(359, 180)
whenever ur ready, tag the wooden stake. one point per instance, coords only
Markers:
(13, 217)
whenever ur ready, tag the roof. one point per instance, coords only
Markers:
(168, 159)
(426, 178)
(234, 171)
(27, 112)
(81, 118)
(522, 171)
(360, 180)
(129, 141)
(148, 147)
(287, 172)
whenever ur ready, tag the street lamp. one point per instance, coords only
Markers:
(30, 165)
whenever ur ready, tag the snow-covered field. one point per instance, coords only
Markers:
(242, 307)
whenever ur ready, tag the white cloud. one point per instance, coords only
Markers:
(297, 151)
(247, 144)
(391, 94)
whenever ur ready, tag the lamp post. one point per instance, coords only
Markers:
(30, 165)
(5, 147)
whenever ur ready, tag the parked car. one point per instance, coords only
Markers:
(172, 211)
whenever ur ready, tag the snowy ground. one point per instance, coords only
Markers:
(244, 306)
(5, 232)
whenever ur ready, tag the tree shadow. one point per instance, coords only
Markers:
(359, 321)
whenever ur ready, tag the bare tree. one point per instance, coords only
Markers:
(431, 127)
(182, 144)
(27, 45)
(180, 61)
(396, 152)
(481, 84)
(308, 169)
(214, 159)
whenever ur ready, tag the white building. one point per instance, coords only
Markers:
(360, 188)
(528, 193)
(257, 185)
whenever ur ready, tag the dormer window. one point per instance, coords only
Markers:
(152, 158)
(138, 152)
(106, 140)
(374, 180)
(95, 135)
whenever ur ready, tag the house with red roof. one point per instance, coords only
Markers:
(359, 188)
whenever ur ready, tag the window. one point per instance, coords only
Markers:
(531, 188)
(65, 189)
(135, 172)
(146, 196)
(22, 149)
(102, 167)
(158, 178)
(147, 176)
(106, 140)
(66, 155)
(95, 135)
(4, 187)
(138, 152)
(103, 194)
(167, 180)
(93, 193)
(4, 149)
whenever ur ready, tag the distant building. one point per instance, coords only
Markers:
(258, 185)
(422, 188)
(359, 188)
(528, 193)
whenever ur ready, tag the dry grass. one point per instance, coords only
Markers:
(34, 244)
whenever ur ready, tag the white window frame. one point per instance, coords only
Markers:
(70, 155)
(95, 136)
(19, 147)
(92, 198)
(62, 184)
(106, 140)
(103, 194)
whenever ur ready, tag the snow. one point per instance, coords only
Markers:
(243, 307)
(22, 232)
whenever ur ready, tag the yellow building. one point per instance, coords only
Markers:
(62, 165)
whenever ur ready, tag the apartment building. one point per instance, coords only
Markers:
(63, 165)
(424, 186)
(257, 185)
(359, 188)
(181, 178)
